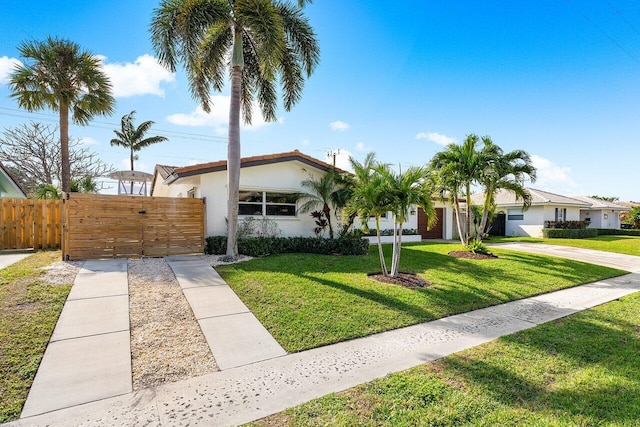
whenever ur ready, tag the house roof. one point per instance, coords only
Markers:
(538, 197)
(601, 204)
(11, 181)
(245, 162)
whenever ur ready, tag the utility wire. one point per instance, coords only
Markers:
(617, 12)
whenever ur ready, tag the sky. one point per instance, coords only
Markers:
(556, 78)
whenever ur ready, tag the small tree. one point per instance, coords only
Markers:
(321, 193)
(132, 137)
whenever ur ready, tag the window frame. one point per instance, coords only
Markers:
(515, 215)
(265, 204)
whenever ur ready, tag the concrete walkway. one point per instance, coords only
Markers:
(236, 337)
(245, 393)
(7, 259)
(608, 259)
(89, 355)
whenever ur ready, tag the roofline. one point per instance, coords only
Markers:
(12, 180)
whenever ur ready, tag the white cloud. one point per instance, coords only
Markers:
(339, 126)
(341, 159)
(6, 67)
(306, 142)
(87, 140)
(552, 177)
(142, 77)
(438, 138)
(360, 146)
(218, 118)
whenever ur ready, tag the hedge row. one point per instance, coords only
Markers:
(569, 233)
(616, 232)
(263, 246)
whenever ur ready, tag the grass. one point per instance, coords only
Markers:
(582, 370)
(29, 311)
(306, 301)
(629, 245)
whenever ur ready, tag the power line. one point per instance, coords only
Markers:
(12, 112)
(617, 12)
(614, 41)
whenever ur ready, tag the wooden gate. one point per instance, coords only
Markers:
(26, 224)
(102, 226)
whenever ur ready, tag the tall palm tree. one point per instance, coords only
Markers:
(503, 171)
(132, 137)
(57, 74)
(258, 41)
(457, 167)
(321, 193)
(406, 189)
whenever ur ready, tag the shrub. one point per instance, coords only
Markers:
(477, 247)
(569, 233)
(616, 232)
(567, 225)
(263, 246)
(389, 232)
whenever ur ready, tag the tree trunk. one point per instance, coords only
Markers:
(64, 148)
(132, 170)
(327, 213)
(383, 264)
(485, 213)
(397, 247)
(456, 208)
(233, 147)
(468, 222)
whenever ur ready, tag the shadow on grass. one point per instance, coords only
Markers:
(571, 369)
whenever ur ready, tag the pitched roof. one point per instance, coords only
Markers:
(601, 204)
(245, 162)
(538, 197)
(12, 180)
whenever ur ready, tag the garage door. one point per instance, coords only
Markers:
(436, 230)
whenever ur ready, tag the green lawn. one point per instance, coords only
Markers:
(29, 311)
(629, 245)
(582, 370)
(306, 301)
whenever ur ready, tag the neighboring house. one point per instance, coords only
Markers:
(545, 206)
(268, 185)
(9, 189)
(601, 214)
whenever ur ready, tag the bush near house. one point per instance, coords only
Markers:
(567, 225)
(389, 232)
(263, 246)
(617, 232)
(569, 233)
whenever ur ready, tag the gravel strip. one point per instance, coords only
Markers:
(61, 272)
(166, 341)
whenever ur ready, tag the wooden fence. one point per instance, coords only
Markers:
(26, 224)
(102, 226)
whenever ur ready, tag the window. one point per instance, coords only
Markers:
(561, 214)
(263, 203)
(515, 215)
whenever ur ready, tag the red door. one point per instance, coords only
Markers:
(436, 232)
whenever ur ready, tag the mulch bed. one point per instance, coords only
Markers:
(471, 255)
(408, 280)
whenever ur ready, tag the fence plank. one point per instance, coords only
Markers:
(26, 223)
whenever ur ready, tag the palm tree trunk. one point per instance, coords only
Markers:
(397, 244)
(456, 208)
(467, 238)
(233, 147)
(485, 213)
(383, 264)
(132, 169)
(327, 213)
(64, 148)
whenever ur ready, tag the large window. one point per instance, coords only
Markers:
(561, 214)
(265, 203)
(515, 214)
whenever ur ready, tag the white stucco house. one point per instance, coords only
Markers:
(601, 213)
(9, 189)
(268, 185)
(547, 206)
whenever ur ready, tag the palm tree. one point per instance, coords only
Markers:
(57, 74)
(368, 198)
(323, 193)
(406, 189)
(503, 171)
(258, 42)
(132, 137)
(457, 167)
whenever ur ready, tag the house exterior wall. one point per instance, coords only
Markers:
(387, 223)
(534, 218)
(602, 218)
(8, 189)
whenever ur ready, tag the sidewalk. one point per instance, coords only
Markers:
(245, 393)
(6, 259)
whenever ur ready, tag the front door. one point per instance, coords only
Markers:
(436, 232)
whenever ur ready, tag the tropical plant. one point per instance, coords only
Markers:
(503, 171)
(414, 187)
(57, 74)
(321, 193)
(258, 42)
(456, 168)
(633, 217)
(132, 137)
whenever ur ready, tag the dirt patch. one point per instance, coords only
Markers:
(471, 255)
(408, 280)
(61, 272)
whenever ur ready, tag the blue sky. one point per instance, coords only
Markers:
(559, 79)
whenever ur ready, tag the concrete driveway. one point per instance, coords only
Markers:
(8, 259)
